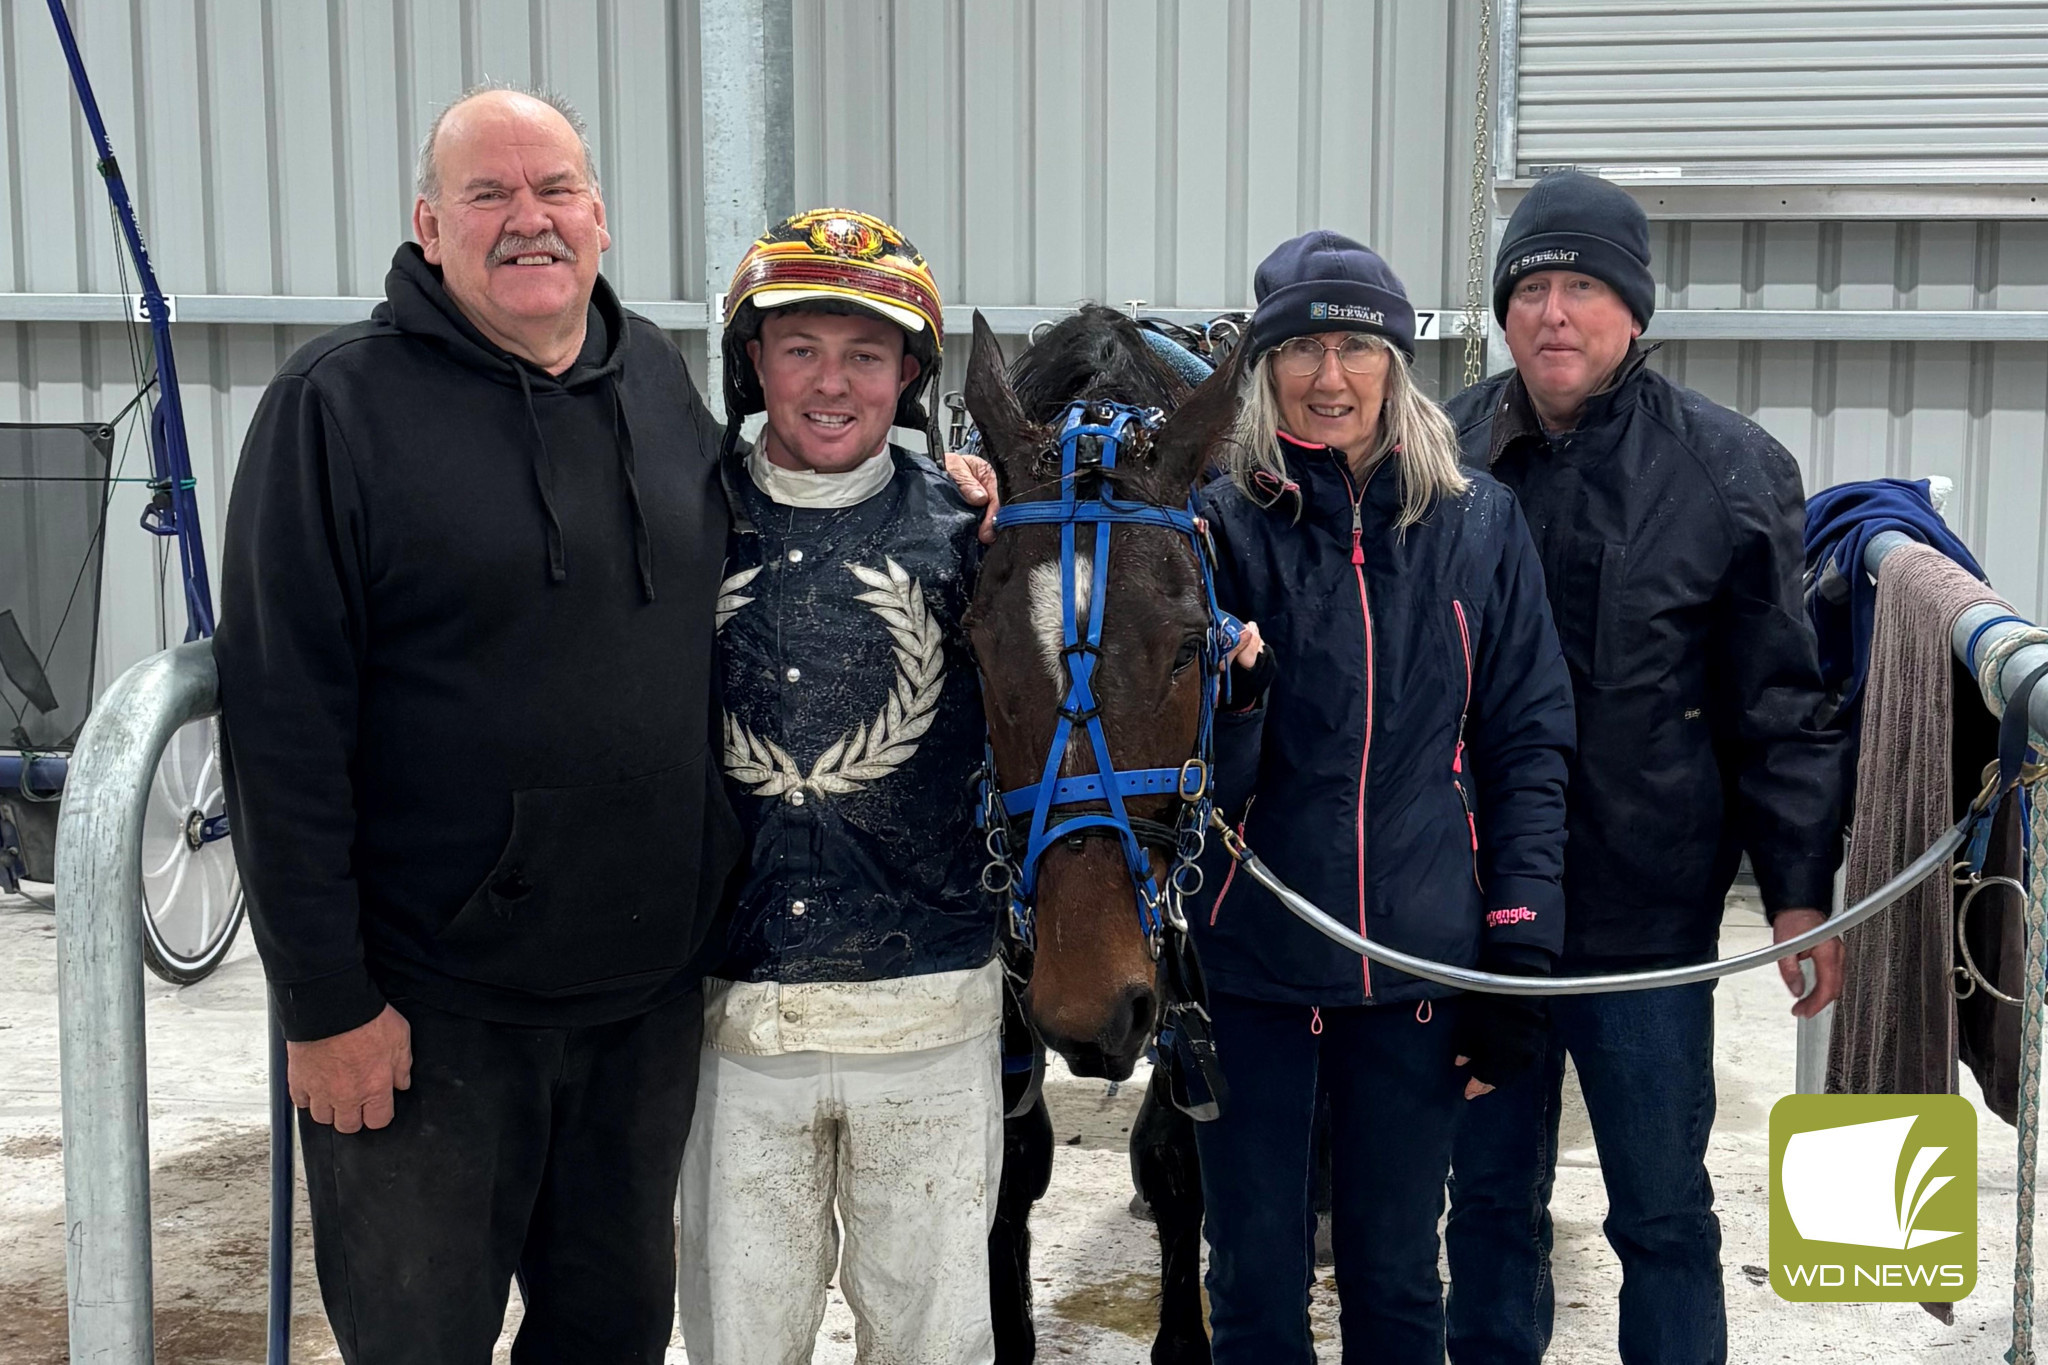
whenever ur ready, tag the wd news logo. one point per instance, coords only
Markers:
(1873, 1198)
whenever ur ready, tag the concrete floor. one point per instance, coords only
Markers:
(1096, 1266)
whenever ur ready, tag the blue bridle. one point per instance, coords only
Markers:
(1092, 436)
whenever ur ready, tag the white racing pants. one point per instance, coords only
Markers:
(907, 1146)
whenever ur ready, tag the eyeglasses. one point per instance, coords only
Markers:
(1303, 356)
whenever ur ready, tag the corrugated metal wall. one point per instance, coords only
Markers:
(1040, 152)
(1045, 151)
(1748, 88)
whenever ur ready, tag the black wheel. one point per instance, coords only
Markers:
(191, 890)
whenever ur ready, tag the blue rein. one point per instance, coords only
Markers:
(1091, 439)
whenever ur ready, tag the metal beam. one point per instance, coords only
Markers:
(1432, 324)
(1679, 193)
(749, 118)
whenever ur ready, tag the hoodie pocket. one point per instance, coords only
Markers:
(597, 884)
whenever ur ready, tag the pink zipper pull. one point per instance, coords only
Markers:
(1357, 532)
(1315, 1019)
(1458, 758)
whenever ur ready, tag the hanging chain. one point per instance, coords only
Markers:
(1475, 266)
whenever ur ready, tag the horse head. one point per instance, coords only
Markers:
(1094, 990)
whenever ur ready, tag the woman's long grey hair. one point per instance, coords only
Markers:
(1415, 429)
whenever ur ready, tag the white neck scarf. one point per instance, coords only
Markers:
(808, 488)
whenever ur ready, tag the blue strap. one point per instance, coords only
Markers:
(1068, 791)
(1081, 648)
(1970, 652)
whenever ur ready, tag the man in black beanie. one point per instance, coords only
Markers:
(1670, 533)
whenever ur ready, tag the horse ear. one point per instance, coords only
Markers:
(1186, 443)
(997, 414)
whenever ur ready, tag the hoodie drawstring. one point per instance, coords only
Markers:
(622, 436)
(544, 480)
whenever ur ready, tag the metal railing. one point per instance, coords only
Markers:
(102, 1046)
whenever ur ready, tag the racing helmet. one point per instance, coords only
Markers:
(826, 255)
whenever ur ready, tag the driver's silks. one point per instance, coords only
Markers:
(1187, 1047)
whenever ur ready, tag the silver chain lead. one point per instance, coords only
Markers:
(1475, 266)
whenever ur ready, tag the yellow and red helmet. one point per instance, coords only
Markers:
(828, 255)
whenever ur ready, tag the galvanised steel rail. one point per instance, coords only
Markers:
(101, 1041)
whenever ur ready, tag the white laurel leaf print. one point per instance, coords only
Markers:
(729, 599)
(871, 751)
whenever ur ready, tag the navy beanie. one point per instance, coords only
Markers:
(1573, 221)
(1322, 281)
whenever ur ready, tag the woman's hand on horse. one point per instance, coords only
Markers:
(1248, 646)
(976, 479)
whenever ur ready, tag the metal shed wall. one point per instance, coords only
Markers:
(270, 146)
(1777, 89)
(1040, 152)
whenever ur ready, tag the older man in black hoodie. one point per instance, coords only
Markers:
(465, 664)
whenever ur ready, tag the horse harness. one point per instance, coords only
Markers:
(1092, 437)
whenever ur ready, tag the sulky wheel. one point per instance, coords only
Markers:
(191, 891)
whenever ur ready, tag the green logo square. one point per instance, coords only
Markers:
(1873, 1198)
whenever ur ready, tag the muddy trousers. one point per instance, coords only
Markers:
(908, 1147)
(1394, 1097)
(549, 1152)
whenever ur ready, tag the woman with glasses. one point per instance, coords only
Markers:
(1398, 756)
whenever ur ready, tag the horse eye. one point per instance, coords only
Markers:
(1190, 650)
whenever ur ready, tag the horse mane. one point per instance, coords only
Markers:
(1096, 352)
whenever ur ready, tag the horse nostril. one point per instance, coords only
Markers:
(1131, 1019)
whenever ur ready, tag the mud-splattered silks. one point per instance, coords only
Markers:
(852, 732)
(870, 751)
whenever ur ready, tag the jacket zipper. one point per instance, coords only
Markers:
(1458, 755)
(1365, 753)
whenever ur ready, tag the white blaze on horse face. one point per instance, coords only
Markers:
(1047, 614)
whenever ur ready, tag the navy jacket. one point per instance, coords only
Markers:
(1411, 752)
(1670, 534)
(853, 733)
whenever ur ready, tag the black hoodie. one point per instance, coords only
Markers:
(465, 671)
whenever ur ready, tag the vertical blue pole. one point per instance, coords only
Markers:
(169, 454)
(282, 1117)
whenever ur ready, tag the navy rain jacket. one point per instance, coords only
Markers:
(1670, 533)
(1410, 754)
(854, 733)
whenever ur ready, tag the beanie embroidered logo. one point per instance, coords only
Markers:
(1873, 1198)
(1346, 312)
(1554, 256)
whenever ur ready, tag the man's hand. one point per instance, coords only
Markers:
(977, 480)
(347, 1080)
(1826, 960)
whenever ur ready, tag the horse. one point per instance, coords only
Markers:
(1094, 988)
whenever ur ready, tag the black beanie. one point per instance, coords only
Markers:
(1573, 221)
(1322, 281)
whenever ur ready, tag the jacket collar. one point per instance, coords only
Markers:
(1514, 415)
(1320, 477)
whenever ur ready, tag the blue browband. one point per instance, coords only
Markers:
(1091, 438)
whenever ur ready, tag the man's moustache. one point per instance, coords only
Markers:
(549, 244)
